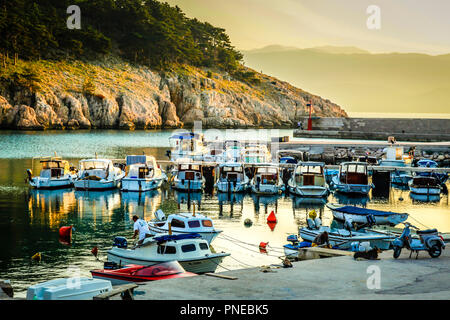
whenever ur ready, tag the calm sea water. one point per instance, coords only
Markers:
(30, 219)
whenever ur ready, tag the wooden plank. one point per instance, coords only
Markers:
(220, 276)
(329, 252)
(126, 288)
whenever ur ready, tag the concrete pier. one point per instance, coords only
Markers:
(328, 278)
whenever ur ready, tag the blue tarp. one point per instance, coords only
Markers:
(177, 237)
(185, 136)
(363, 211)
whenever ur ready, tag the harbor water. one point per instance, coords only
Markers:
(30, 219)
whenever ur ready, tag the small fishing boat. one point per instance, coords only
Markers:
(352, 178)
(143, 174)
(342, 238)
(98, 174)
(419, 198)
(69, 289)
(363, 216)
(394, 157)
(138, 273)
(308, 180)
(190, 250)
(55, 173)
(188, 177)
(187, 145)
(232, 178)
(427, 163)
(267, 180)
(184, 223)
(425, 185)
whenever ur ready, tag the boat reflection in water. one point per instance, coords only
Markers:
(50, 207)
(188, 198)
(419, 198)
(232, 200)
(98, 203)
(265, 201)
(142, 204)
(352, 200)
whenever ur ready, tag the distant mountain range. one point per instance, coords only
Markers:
(361, 81)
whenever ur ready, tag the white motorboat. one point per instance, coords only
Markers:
(363, 216)
(343, 238)
(188, 145)
(425, 185)
(184, 223)
(395, 157)
(188, 176)
(55, 173)
(69, 289)
(352, 178)
(143, 174)
(190, 250)
(267, 180)
(232, 178)
(98, 174)
(308, 180)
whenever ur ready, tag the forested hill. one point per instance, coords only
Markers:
(133, 64)
(144, 31)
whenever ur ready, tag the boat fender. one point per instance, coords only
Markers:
(311, 224)
(318, 222)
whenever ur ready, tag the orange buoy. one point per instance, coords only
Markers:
(272, 217)
(65, 232)
(263, 247)
(94, 251)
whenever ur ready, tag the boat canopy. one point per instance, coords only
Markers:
(90, 164)
(140, 159)
(357, 167)
(190, 166)
(363, 211)
(427, 163)
(177, 237)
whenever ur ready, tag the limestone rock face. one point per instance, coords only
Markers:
(147, 99)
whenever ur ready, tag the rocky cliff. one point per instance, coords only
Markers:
(113, 94)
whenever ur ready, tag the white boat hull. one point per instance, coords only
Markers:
(425, 190)
(362, 219)
(309, 191)
(188, 185)
(141, 185)
(51, 183)
(224, 186)
(266, 189)
(96, 185)
(208, 236)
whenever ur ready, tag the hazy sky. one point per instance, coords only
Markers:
(406, 25)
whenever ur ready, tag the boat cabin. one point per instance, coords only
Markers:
(353, 173)
(267, 174)
(310, 174)
(187, 142)
(54, 168)
(189, 171)
(231, 172)
(100, 168)
(141, 167)
(188, 222)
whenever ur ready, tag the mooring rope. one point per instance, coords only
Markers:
(226, 237)
(267, 254)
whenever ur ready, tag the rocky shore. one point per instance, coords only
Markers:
(114, 94)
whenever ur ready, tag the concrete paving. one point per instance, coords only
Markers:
(329, 278)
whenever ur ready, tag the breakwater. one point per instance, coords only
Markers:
(426, 130)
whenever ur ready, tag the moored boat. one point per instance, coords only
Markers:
(425, 185)
(188, 145)
(267, 180)
(143, 174)
(352, 178)
(190, 250)
(98, 174)
(308, 180)
(184, 223)
(232, 178)
(363, 216)
(139, 273)
(188, 177)
(55, 173)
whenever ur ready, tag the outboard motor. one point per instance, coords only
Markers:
(293, 238)
(159, 214)
(120, 242)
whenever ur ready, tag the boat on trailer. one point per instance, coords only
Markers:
(190, 250)
(143, 174)
(138, 273)
(366, 216)
(308, 180)
(184, 223)
(55, 173)
(98, 174)
(352, 178)
(232, 178)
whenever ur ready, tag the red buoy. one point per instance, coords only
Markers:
(272, 217)
(65, 232)
(271, 225)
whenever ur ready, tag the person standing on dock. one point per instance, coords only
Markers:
(141, 228)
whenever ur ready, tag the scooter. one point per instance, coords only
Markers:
(429, 240)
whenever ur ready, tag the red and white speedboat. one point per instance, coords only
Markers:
(138, 273)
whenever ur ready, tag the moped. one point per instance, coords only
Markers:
(429, 240)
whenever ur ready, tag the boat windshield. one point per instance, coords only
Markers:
(51, 164)
(309, 169)
(161, 269)
(354, 168)
(90, 165)
(194, 167)
(267, 170)
(230, 169)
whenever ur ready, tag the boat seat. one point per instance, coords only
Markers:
(427, 231)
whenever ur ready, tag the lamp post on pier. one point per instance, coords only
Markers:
(309, 119)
